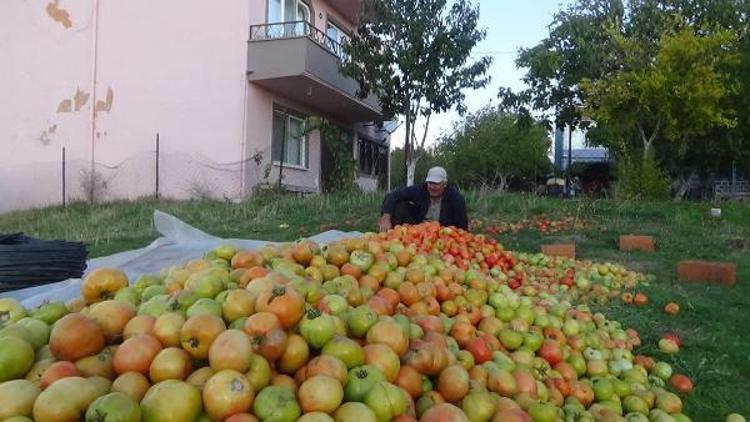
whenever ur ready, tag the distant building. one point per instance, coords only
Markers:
(585, 155)
(579, 155)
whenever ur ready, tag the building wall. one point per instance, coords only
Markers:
(170, 67)
(260, 108)
(102, 78)
(259, 115)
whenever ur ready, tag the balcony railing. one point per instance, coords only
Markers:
(298, 29)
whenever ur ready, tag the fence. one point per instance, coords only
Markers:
(297, 29)
(164, 171)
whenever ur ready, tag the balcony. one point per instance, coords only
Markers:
(300, 62)
(349, 9)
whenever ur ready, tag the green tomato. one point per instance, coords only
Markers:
(259, 372)
(386, 400)
(16, 357)
(50, 312)
(38, 331)
(153, 291)
(662, 370)
(360, 320)
(146, 281)
(155, 307)
(205, 306)
(128, 294)
(479, 406)
(346, 349)
(543, 412)
(354, 412)
(317, 328)
(10, 311)
(238, 324)
(276, 404)
(116, 406)
(603, 389)
(635, 404)
(362, 260)
(336, 303)
(360, 381)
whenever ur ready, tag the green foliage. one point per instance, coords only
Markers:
(428, 159)
(343, 174)
(641, 179)
(490, 148)
(672, 76)
(414, 55)
(675, 96)
(578, 47)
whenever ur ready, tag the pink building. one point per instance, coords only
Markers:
(226, 85)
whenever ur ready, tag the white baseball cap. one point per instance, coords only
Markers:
(437, 175)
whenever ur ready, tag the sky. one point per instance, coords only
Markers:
(510, 25)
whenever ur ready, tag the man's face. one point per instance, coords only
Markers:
(436, 189)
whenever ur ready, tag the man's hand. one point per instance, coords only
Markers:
(384, 223)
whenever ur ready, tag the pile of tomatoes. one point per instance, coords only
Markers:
(418, 323)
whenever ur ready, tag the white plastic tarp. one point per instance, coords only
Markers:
(179, 242)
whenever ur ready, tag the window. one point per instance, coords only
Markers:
(288, 139)
(371, 157)
(280, 11)
(336, 38)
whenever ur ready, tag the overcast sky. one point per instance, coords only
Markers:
(510, 25)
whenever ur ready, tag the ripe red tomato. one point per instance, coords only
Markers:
(480, 350)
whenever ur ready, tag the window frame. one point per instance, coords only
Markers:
(374, 149)
(288, 116)
(341, 33)
(297, 3)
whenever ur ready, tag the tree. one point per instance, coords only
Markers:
(676, 96)
(617, 44)
(414, 56)
(577, 47)
(490, 148)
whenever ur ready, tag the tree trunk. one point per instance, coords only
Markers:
(411, 168)
(683, 185)
(416, 153)
(504, 183)
(648, 141)
(407, 147)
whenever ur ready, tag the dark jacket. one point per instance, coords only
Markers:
(452, 205)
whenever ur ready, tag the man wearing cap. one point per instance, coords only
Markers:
(433, 200)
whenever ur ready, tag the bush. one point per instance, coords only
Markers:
(641, 180)
(343, 174)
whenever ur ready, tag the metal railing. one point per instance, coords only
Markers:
(297, 29)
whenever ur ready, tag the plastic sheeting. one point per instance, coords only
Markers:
(179, 242)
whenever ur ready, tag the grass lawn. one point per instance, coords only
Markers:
(713, 323)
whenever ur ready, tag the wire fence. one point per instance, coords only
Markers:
(164, 171)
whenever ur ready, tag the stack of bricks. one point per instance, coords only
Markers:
(637, 243)
(567, 250)
(705, 271)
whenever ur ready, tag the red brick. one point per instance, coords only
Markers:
(706, 271)
(567, 250)
(637, 243)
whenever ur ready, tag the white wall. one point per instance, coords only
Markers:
(173, 67)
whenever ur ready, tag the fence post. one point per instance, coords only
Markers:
(63, 177)
(157, 165)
